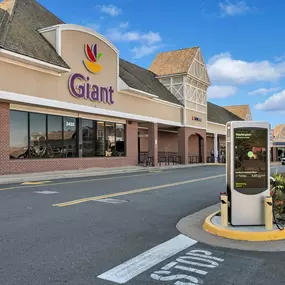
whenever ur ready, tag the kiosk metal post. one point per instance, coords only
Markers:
(248, 171)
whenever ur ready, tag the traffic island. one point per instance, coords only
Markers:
(192, 226)
(213, 225)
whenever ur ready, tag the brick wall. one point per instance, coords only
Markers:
(210, 145)
(188, 143)
(193, 145)
(8, 166)
(5, 136)
(167, 142)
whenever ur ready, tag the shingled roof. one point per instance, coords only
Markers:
(142, 79)
(20, 21)
(220, 115)
(239, 110)
(173, 62)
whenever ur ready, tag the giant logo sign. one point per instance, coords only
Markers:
(82, 87)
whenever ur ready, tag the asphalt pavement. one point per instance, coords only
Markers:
(120, 229)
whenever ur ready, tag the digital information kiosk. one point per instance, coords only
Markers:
(248, 171)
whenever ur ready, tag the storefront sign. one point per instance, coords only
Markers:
(79, 85)
(196, 119)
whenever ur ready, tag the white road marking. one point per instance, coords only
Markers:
(46, 192)
(137, 265)
(193, 280)
(202, 255)
(190, 269)
(112, 201)
(169, 265)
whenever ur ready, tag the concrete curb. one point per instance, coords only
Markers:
(44, 176)
(192, 226)
(252, 236)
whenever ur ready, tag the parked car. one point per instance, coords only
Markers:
(282, 160)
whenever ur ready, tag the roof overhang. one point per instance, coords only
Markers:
(171, 75)
(32, 61)
(125, 88)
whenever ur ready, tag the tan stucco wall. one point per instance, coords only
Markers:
(192, 123)
(214, 128)
(195, 106)
(30, 82)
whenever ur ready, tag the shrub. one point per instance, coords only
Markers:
(277, 194)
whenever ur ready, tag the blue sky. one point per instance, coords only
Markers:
(242, 42)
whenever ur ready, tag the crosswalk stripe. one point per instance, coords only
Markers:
(137, 265)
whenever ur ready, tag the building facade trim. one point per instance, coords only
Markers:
(20, 98)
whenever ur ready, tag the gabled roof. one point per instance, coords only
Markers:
(279, 131)
(239, 110)
(142, 79)
(173, 62)
(220, 115)
(20, 21)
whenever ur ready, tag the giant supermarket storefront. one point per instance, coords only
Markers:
(67, 101)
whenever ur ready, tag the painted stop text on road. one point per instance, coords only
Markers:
(188, 269)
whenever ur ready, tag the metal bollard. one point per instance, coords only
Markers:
(268, 213)
(224, 210)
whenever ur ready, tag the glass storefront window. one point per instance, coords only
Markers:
(54, 142)
(38, 131)
(34, 135)
(120, 140)
(18, 134)
(88, 138)
(110, 140)
(69, 137)
(100, 139)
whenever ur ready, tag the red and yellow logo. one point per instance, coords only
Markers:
(91, 63)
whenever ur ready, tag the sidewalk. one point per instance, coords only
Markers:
(89, 172)
(96, 171)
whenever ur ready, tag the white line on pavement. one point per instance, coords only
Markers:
(137, 265)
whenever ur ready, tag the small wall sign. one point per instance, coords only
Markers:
(80, 85)
(196, 119)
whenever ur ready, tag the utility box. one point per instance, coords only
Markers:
(248, 171)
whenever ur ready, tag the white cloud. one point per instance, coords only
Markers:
(148, 42)
(221, 91)
(228, 8)
(263, 91)
(117, 35)
(151, 37)
(110, 10)
(275, 103)
(226, 70)
(144, 50)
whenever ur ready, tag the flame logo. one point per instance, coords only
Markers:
(91, 63)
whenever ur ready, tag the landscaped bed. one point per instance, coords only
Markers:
(277, 193)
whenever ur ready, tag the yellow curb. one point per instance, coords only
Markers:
(209, 227)
(35, 182)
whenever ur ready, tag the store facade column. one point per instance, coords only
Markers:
(274, 154)
(153, 142)
(183, 145)
(216, 147)
(5, 137)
